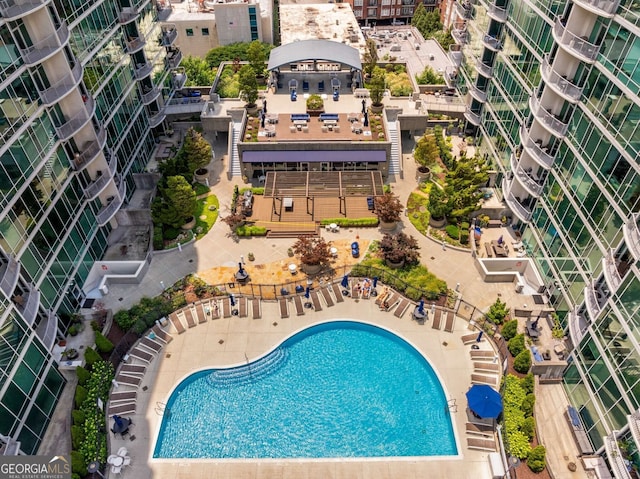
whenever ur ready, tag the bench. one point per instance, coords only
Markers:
(300, 117)
(329, 116)
(489, 249)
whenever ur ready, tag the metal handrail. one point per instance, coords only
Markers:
(573, 42)
(63, 86)
(557, 126)
(46, 47)
(561, 85)
(11, 9)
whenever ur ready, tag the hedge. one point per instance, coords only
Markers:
(529, 427)
(78, 417)
(452, 231)
(103, 344)
(80, 395)
(351, 222)
(509, 329)
(91, 356)
(528, 383)
(77, 436)
(247, 230)
(83, 375)
(522, 362)
(516, 440)
(78, 466)
(528, 404)
(516, 344)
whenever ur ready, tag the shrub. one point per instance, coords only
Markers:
(388, 208)
(83, 375)
(78, 464)
(400, 247)
(464, 236)
(522, 362)
(91, 356)
(80, 396)
(516, 344)
(313, 251)
(139, 327)
(351, 222)
(509, 329)
(528, 404)
(103, 344)
(452, 231)
(77, 436)
(527, 383)
(536, 459)
(517, 441)
(498, 312)
(171, 233)
(464, 226)
(529, 427)
(78, 417)
(247, 230)
(158, 242)
(95, 325)
(123, 319)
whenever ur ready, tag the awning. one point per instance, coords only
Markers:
(376, 156)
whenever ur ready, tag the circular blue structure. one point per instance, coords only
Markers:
(337, 389)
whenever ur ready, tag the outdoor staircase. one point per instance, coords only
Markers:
(234, 163)
(394, 164)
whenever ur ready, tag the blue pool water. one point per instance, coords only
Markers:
(339, 389)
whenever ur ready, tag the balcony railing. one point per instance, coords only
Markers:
(581, 47)
(174, 59)
(492, 43)
(532, 185)
(135, 44)
(63, 86)
(455, 53)
(101, 182)
(564, 87)
(464, 9)
(631, 232)
(142, 70)
(550, 121)
(461, 36)
(14, 9)
(29, 307)
(535, 149)
(451, 76)
(497, 13)
(164, 13)
(47, 330)
(633, 420)
(514, 203)
(168, 37)
(478, 94)
(151, 95)
(46, 47)
(91, 151)
(577, 327)
(608, 7)
(178, 78)
(156, 118)
(591, 301)
(614, 456)
(127, 15)
(610, 269)
(472, 116)
(75, 123)
(110, 209)
(10, 272)
(484, 69)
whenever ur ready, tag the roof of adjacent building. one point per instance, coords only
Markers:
(314, 50)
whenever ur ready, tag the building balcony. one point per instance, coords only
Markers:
(614, 457)
(9, 274)
(103, 178)
(561, 85)
(14, 9)
(28, 303)
(593, 300)
(451, 76)
(179, 78)
(47, 47)
(62, 87)
(455, 54)
(461, 36)
(150, 95)
(109, 210)
(478, 94)
(158, 117)
(604, 8)
(536, 150)
(135, 44)
(472, 117)
(128, 14)
(497, 13)
(579, 47)
(515, 203)
(528, 182)
(47, 330)
(174, 58)
(168, 37)
(142, 70)
(492, 43)
(633, 420)
(464, 9)
(91, 151)
(631, 232)
(75, 123)
(164, 12)
(611, 274)
(577, 327)
(550, 121)
(484, 69)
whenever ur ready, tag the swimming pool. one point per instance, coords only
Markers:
(337, 389)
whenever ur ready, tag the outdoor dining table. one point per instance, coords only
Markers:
(115, 460)
(419, 313)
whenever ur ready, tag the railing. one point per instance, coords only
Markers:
(168, 37)
(62, 87)
(521, 211)
(127, 15)
(30, 309)
(581, 46)
(611, 273)
(497, 13)
(142, 70)
(478, 94)
(10, 276)
(464, 9)
(156, 118)
(71, 126)
(173, 61)
(484, 69)
(100, 183)
(591, 301)
(151, 95)
(108, 211)
(535, 149)
(576, 329)
(13, 9)
(91, 151)
(461, 36)
(561, 85)
(492, 43)
(164, 13)
(530, 184)
(632, 235)
(633, 420)
(135, 44)
(555, 125)
(49, 336)
(609, 7)
(614, 456)
(46, 47)
(472, 116)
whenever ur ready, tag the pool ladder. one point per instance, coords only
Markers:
(162, 409)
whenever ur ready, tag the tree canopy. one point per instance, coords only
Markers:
(198, 71)
(176, 203)
(228, 53)
(197, 150)
(370, 56)
(376, 86)
(426, 152)
(257, 57)
(248, 85)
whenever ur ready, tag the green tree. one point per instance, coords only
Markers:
(419, 18)
(432, 23)
(198, 71)
(176, 204)
(228, 53)
(248, 85)
(463, 183)
(438, 205)
(376, 86)
(498, 312)
(196, 150)
(429, 77)
(370, 56)
(426, 152)
(257, 57)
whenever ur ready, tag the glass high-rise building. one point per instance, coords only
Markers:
(82, 91)
(553, 92)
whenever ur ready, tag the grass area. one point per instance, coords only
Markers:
(208, 208)
(201, 189)
(418, 213)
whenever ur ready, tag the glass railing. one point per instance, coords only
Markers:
(580, 46)
(100, 183)
(631, 232)
(150, 95)
(72, 125)
(91, 151)
(127, 15)
(30, 310)
(484, 69)
(178, 78)
(561, 85)
(156, 118)
(164, 13)
(492, 43)
(46, 47)
(610, 269)
(608, 7)
(455, 53)
(62, 87)
(135, 44)
(14, 9)
(497, 13)
(47, 330)
(535, 149)
(461, 36)
(10, 273)
(142, 70)
(591, 301)
(109, 210)
(553, 124)
(472, 116)
(532, 185)
(614, 456)
(478, 94)
(514, 204)
(577, 327)
(174, 59)
(168, 37)
(464, 9)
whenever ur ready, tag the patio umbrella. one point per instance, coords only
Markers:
(306, 292)
(364, 106)
(421, 306)
(118, 421)
(479, 338)
(264, 107)
(345, 281)
(240, 270)
(233, 300)
(484, 401)
(366, 119)
(375, 282)
(262, 120)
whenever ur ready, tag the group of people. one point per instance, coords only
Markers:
(364, 288)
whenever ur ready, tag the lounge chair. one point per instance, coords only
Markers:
(242, 307)
(202, 316)
(490, 368)
(483, 430)
(284, 308)
(214, 309)
(188, 315)
(226, 308)
(315, 299)
(297, 301)
(481, 379)
(141, 355)
(470, 339)
(123, 396)
(402, 308)
(482, 355)
(391, 300)
(161, 334)
(129, 408)
(449, 324)
(151, 344)
(437, 318)
(255, 308)
(327, 296)
(134, 370)
(122, 451)
(481, 444)
(337, 291)
(128, 380)
(355, 291)
(173, 317)
(116, 469)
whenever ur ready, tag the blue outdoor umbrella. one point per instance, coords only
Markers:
(375, 282)
(345, 281)
(306, 293)
(232, 299)
(479, 338)
(484, 401)
(240, 270)
(421, 306)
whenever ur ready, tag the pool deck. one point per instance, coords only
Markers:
(224, 342)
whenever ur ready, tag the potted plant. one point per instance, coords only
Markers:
(426, 153)
(69, 354)
(315, 105)
(388, 209)
(314, 252)
(248, 88)
(376, 90)
(251, 257)
(398, 250)
(438, 208)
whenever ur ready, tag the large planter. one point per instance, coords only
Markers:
(311, 268)
(437, 222)
(388, 225)
(201, 175)
(189, 225)
(315, 112)
(377, 108)
(395, 265)
(423, 173)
